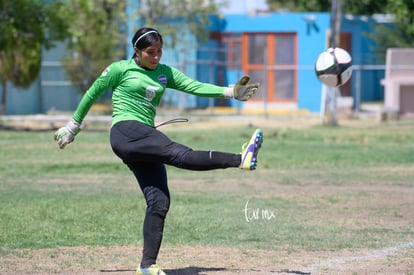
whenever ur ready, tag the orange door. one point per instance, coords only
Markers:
(271, 59)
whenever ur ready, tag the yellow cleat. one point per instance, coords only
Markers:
(152, 270)
(250, 151)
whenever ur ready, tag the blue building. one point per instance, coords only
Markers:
(278, 50)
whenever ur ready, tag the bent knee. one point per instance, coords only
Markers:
(157, 201)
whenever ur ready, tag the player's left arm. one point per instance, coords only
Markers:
(242, 90)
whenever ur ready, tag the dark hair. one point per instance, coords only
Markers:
(145, 37)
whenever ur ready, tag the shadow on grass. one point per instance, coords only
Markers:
(192, 270)
(288, 271)
(116, 270)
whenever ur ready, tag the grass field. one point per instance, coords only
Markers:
(324, 200)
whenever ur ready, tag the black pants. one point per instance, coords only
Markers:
(145, 150)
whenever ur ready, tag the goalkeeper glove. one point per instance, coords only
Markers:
(66, 135)
(242, 90)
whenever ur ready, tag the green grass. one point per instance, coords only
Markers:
(84, 195)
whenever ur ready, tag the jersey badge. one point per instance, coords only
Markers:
(163, 79)
(150, 92)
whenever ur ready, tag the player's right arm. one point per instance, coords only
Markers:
(108, 79)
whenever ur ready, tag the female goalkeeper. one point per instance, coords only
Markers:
(137, 87)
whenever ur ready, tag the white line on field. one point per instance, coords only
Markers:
(372, 254)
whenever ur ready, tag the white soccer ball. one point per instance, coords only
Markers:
(333, 67)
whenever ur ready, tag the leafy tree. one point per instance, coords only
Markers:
(97, 38)
(349, 6)
(98, 30)
(175, 18)
(398, 34)
(390, 36)
(300, 5)
(365, 7)
(403, 10)
(26, 26)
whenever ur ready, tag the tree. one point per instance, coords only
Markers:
(98, 30)
(349, 6)
(176, 18)
(300, 5)
(365, 7)
(398, 34)
(97, 38)
(26, 26)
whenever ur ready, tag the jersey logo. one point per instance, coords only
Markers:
(150, 92)
(163, 79)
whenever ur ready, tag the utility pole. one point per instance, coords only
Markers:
(330, 94)
(336, 16)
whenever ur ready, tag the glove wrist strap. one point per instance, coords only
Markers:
(228, 92)
(73, 126)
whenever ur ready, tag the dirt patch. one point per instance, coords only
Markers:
(189, 260)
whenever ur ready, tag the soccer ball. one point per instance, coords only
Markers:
(333, 67)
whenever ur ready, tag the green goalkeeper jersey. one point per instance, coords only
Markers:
(136, 92)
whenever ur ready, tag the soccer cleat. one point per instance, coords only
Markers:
(250, 151)
(152, 270)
